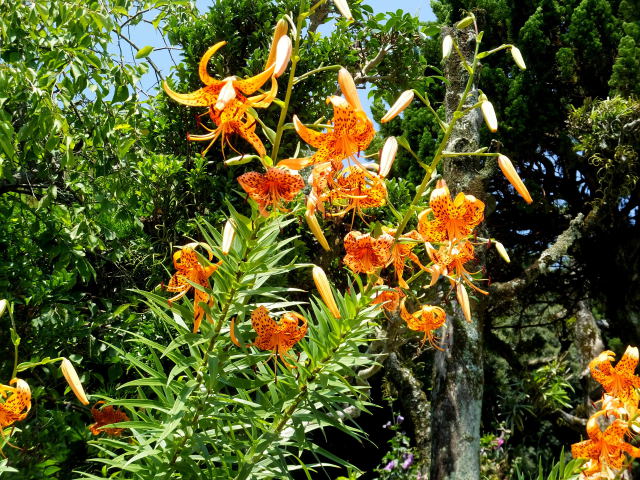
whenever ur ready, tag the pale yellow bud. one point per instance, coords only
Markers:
(489, 115)
(348, 87)
(320, 279)
(3, 306)
(314, 226)
(447, 46)
(228, 234)
(464, 23)
(502, 252)
(517, 58)
(398, 107)
(509, 171)
(283, 55)
(463, 300)
(387, 156)
(282, 27)
(74, 382)
(343, 8)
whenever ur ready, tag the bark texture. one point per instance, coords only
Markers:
(458, 370)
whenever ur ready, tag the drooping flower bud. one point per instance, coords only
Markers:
(3, 306)
(398, 107)
(517, 58)
(343, 8)
(387, 156)
(283, 55)
(73, 380)
(282, 27)
(314, 226)
(348, 87)
(509, 171)
(228, 235)
(447, 46)
(320, 279)
(488, 113)
(463, 300)
(464, 23)
(502, 251)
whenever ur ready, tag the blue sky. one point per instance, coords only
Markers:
(143, 34)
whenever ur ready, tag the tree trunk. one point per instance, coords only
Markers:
(458, 370)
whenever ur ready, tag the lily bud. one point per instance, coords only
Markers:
(463, 300)
(282, 27)
(447, 46)
(228, 235)
(3, 306)
(314, 226)
(348, 87)
(387, 156)
(398, 107)
(227, 93)
(74, 382)
(464, 23)
(320, 279)
(489, 115)
(517, 58)
(283, 55)
(502, 251)
(343, 8)
(509, 171)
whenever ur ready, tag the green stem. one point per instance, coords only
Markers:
(426, 101)
(205, 360)
(295, 58)
(304, 76)
(469, 154)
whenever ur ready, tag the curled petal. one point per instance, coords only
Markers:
(348, 87)
(204, 61)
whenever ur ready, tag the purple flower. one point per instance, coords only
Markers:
(399, 419)
(386, 425)
(391, 465)
(408, 460)
(500, 441)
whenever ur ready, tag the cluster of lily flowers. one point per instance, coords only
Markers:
(339, 184)
(616, 419)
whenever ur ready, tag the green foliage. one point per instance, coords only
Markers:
(562, 470)
(201, 404)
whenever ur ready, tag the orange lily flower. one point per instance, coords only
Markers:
(188, 268)
(360, 189)
(604, 449)
(451, 219)
(618, 381)
(227, 103)
(364, 253)
(278, 337)
(272, 187)
(401, 251)
(428, 319)
(106, 416)
(16, 407)
(450, 260)
(352, 132)
(389, 299)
